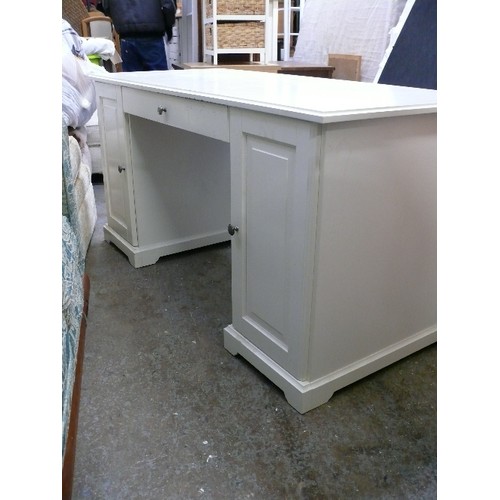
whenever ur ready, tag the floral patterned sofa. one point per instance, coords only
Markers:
(78, 222)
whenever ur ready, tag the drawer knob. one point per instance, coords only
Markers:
(161, 110)
(120, 169)
(232, 229)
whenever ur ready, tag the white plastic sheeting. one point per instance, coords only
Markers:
(78, 91)
(357, 27)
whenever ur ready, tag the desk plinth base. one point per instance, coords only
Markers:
(147, 255)
(307, 395)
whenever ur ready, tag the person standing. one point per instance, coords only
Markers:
(142, 25)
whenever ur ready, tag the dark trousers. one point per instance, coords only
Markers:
(143, 53)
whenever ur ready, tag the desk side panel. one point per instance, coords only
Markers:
(375, 273)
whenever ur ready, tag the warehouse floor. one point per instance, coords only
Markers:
(167, 413)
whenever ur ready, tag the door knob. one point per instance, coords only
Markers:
(232, 229)
(161, 109)
(120, 169)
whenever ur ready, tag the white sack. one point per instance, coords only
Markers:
(356, 27)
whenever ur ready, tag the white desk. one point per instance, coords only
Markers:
(332, 186)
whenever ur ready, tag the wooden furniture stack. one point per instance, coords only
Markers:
(234, 27)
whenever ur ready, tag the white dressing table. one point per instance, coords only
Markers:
(328, 188)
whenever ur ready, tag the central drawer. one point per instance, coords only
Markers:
(208, 119)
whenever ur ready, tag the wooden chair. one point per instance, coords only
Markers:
(101, 26)
(345, 66)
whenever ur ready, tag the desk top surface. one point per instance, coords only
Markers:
(319, 100)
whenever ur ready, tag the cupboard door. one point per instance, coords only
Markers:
(274, 172)
(118, 175)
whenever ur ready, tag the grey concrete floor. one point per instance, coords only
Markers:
(167, 413)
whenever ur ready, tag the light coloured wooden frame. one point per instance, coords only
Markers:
(87, 31)
(345, 66)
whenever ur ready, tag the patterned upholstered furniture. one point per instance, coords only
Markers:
(78, 221)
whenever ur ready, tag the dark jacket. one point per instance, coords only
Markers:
(136, 17)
